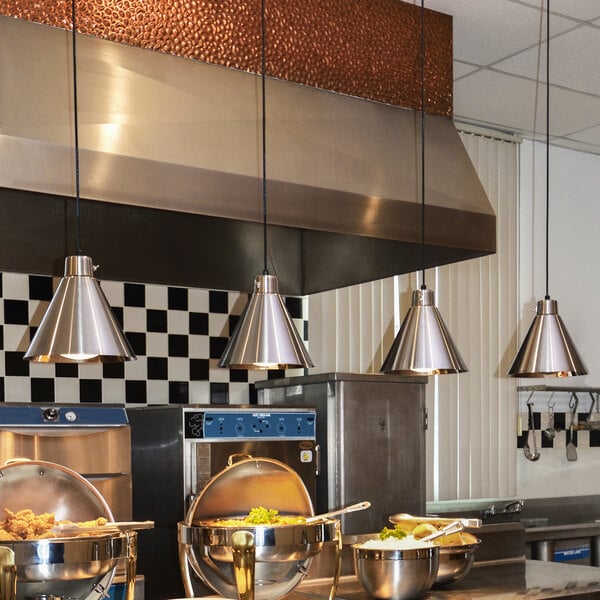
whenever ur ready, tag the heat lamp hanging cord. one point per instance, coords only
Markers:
(423, 286)
(547, 143)
(263, 68)
(76, 131)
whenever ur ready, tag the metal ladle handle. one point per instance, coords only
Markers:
(340, 511)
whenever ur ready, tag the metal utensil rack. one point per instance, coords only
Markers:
(593, 392)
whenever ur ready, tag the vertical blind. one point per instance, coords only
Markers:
(472, 417)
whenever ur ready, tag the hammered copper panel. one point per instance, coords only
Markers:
(364, 48)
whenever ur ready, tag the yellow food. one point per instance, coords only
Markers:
(26, 525)
(423, 529)
(259, 516)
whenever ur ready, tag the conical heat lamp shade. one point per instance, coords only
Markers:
(265, 336)
(547, 350)
(79, 326)
(423, 345)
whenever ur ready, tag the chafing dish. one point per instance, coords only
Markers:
(261, 561)
(67, 566)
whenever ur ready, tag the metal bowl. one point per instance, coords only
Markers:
(455, 562)
(396, 574)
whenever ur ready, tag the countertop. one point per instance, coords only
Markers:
(530, 579)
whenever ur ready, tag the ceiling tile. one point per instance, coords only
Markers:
(573, 58)
(503, 101)
(461, 69)
(487, 31)
(585, 10)
(590, 135)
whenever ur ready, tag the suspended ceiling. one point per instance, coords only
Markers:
(496, 66)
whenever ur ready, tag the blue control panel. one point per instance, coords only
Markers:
(249, 424)
(57, 415)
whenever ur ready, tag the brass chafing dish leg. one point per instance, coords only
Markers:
(8, 577)
(132, 551)
(338, 560)
(243, 563)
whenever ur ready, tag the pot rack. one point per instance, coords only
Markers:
(593, 392)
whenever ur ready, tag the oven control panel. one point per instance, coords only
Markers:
(234, 424)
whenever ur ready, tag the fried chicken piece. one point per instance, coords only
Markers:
(26, 525)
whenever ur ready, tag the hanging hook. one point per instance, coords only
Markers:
(551, 404)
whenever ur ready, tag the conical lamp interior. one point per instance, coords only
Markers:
(547, 350)
(265, 336)
(423, 345)
(79, 325)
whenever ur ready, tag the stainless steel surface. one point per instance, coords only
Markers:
(174, 455)
(79, 325)
(338, 164)
(530, 445)
(396, 574)
(531, 579)
(339, 511)
(455, 562)
(384, 413)
(423, 345)
(547, 349)
(265, 336)
(94, 441)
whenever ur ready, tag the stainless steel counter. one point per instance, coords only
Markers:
(530, 579)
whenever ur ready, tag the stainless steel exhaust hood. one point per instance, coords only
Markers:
(178, 142)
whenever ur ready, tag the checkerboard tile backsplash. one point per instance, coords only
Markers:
(177, 333)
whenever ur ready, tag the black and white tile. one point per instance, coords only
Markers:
(177, 333)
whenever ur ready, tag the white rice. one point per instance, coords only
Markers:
(392, 543)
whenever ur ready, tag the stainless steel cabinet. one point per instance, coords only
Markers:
(371, 434)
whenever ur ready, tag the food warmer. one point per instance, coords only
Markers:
(259, 561)
(69, 565)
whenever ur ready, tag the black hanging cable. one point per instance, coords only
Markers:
(76, 131)
(264, 133)
(547, 143)
(423, 144)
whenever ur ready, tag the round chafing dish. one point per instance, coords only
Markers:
(274, 558)
(67, 565)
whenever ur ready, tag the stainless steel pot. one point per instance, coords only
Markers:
(262, 562)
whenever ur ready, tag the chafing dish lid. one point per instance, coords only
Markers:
(44, 486)
(249, 483)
